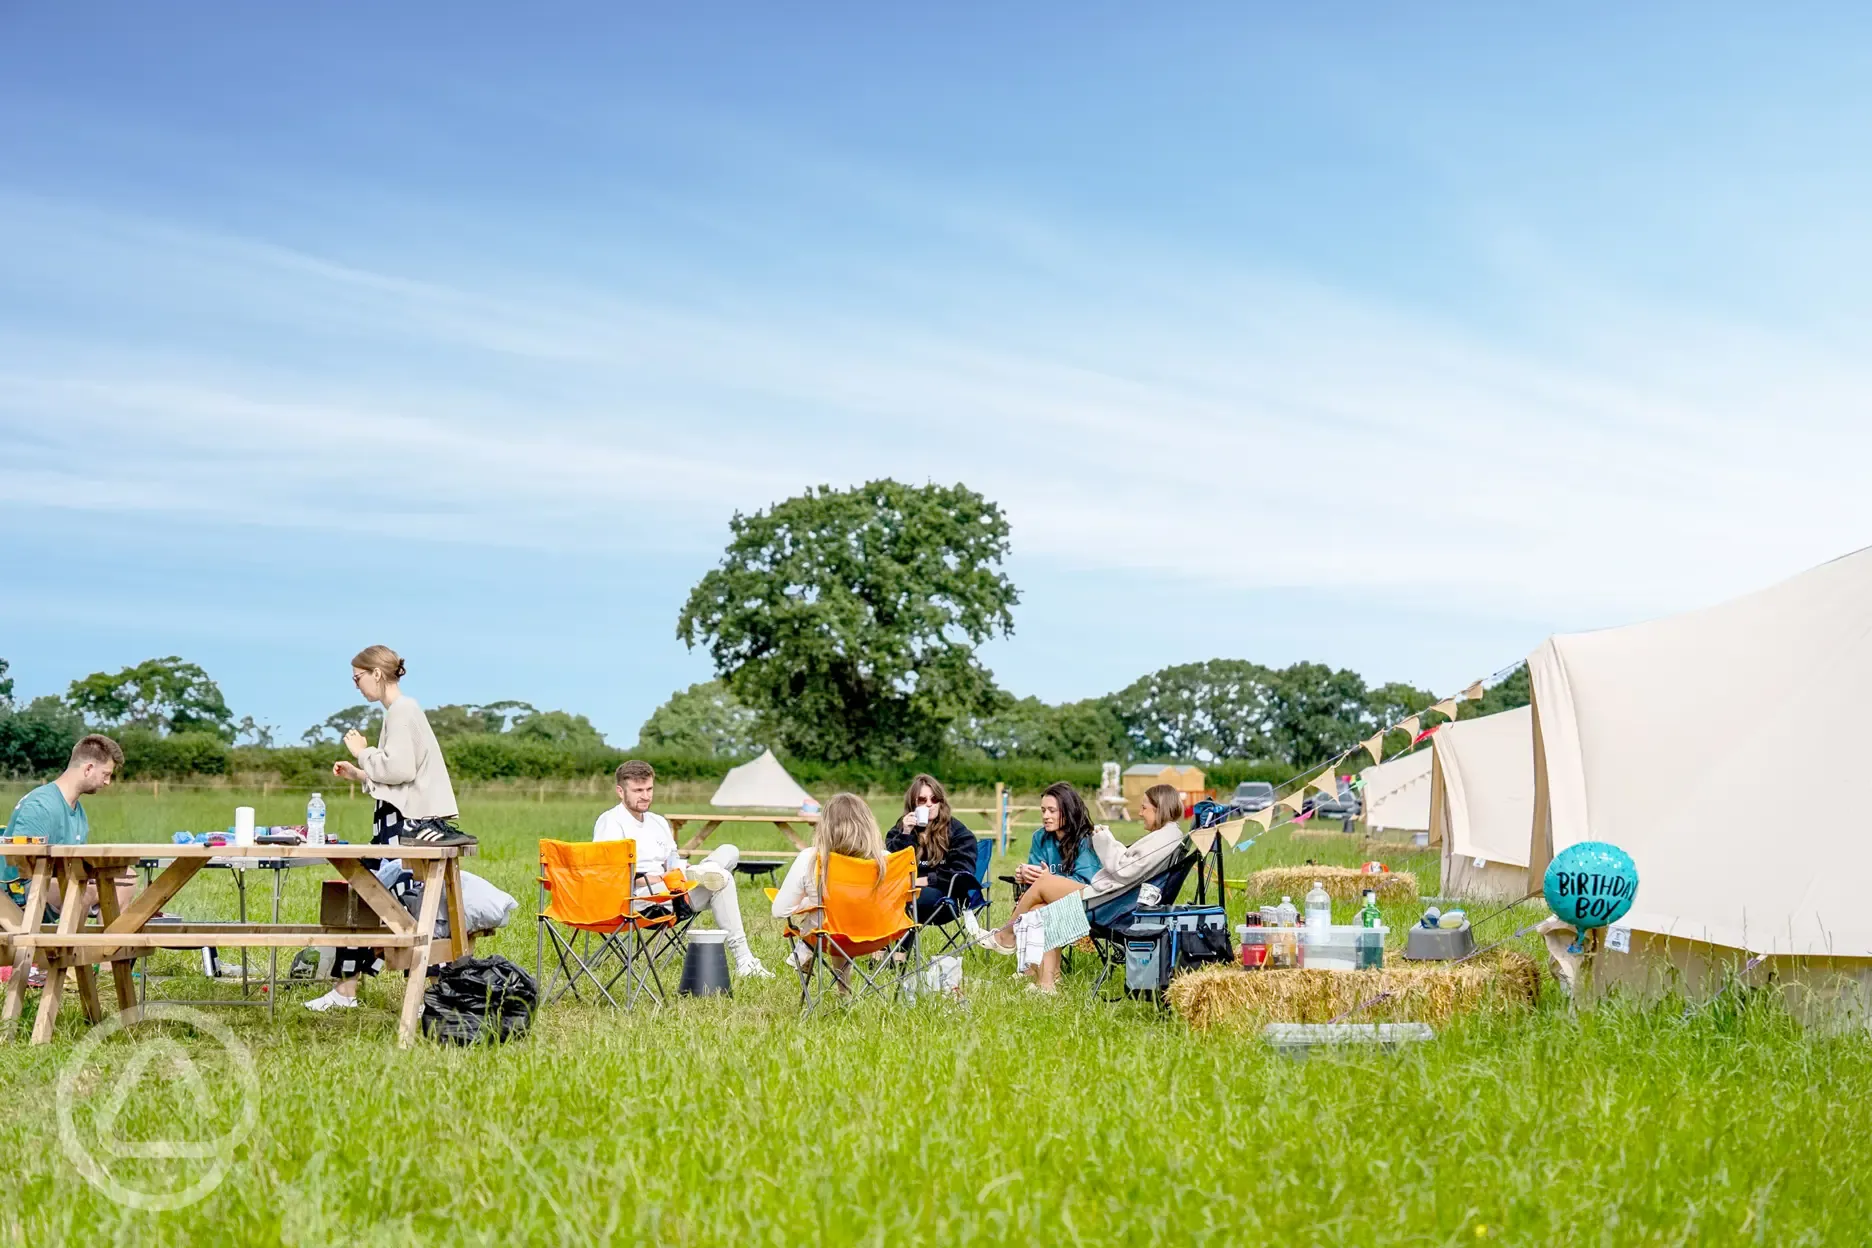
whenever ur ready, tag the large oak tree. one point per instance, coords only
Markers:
(849, 619)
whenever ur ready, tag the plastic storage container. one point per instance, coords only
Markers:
(1337, 948)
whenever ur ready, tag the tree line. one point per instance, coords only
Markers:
(844, 627)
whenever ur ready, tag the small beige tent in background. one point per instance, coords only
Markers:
(1482, 804)
(762, 783)
(1396, 794)
(1703, 745)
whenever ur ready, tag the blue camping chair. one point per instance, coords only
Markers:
(967, 894)
(1110, 919)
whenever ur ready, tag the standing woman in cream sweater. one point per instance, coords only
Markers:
(404, 771)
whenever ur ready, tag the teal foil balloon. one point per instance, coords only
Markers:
(1591, 884)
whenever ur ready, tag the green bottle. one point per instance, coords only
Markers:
(1369, 916)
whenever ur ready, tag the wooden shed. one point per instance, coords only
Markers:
(1189, 781)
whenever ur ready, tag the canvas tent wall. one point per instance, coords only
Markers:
(1693, 742)
(1482, 804)
(762, 783)
(1397, 793)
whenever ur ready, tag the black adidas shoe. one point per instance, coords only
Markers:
(434, 832)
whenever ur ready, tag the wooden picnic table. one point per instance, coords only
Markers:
(120, 937)
(711, 822)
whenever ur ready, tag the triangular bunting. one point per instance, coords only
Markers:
(1426, 734)
(1472, 692)
(1303, 818)
(1411, 725)
(1203, 839)
(1447, 706)
(1231, 831)
(1326, 782)
(1374, 746)
(1294, 800)
(1263, 817)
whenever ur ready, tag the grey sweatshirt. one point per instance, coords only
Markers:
(405, 768)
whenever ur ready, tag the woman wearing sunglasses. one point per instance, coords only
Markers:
(404, 771)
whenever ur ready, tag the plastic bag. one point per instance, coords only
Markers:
(479, 1000)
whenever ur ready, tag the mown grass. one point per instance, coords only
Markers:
(1012, 1118)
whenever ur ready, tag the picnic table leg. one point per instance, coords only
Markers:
(71, 917)
(81, 961)
(120, 966)
(457, 914)
(24, 958)
(787, 828)
(419, 956)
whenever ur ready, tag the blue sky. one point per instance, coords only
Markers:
(1394, 339)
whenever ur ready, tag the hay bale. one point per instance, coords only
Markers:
(1342, 883)
(1235, 1000)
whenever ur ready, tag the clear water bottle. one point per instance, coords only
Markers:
(1318, 907)
(1289, 917)
(315, 820)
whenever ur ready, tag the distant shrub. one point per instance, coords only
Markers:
(37, 739)
(495, 757)
(148, 756)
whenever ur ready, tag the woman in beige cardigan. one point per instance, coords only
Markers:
(1120, 867)
(404, 771)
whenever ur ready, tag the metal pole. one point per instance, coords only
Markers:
(240, 887)
(279, 876)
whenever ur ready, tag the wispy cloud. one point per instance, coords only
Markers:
(1135, 406)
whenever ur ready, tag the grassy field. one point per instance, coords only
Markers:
(1012, 1118)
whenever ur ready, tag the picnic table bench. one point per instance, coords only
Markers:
(122, 936)
(710, 822)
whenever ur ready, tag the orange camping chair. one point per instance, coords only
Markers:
(867, 924)
(597, 927)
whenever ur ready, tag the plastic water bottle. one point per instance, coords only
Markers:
(1288, 915)
(315, 820)
(1319, 908)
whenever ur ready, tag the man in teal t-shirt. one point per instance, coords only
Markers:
(54, 811)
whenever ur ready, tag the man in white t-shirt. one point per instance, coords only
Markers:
(714, 891)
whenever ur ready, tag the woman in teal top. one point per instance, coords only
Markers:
(1063, 845)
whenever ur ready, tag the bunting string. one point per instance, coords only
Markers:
(1327, 781)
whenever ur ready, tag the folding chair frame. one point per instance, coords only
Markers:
(576, 958)
(878, 970)
(641, 945)
(968, 894)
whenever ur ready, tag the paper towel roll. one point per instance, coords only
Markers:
(243, 825)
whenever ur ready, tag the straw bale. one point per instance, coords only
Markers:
(1364, 846)
(1231, 999)
(1342, 883)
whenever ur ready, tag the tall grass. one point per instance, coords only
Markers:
(1009, 1119)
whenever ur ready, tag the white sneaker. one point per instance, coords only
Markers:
(333, 1000)
(745, 963)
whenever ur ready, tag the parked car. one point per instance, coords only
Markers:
(1346, 806)
(1252, 797)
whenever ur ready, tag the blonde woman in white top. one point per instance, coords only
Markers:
(404, 771)
(847, 827)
